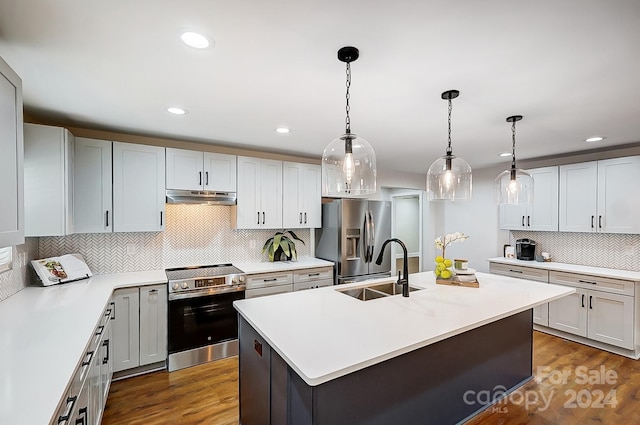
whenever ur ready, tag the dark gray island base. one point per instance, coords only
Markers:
(436, 384)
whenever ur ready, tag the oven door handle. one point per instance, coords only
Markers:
(196, 294)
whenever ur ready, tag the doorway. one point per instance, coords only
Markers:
(407, 225)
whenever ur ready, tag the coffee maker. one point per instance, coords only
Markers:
(526, 249)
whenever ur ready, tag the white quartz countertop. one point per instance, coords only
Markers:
(323, 334)
(282, 266)
(571, 268)
(43, 334)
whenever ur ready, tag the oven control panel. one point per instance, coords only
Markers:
(210, 281)
(207, 284)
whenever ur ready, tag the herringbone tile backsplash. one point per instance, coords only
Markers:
(194, 235)
(19, 276)
(587, 249)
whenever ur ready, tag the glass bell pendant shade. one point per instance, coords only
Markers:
(348, 167)
(513, 187)
(449, 178)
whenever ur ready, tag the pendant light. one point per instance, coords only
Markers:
(449, 177)
(348, 162)
(514, 186)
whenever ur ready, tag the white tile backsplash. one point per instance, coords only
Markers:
(19, 276)
(614, 251)
(194, 235)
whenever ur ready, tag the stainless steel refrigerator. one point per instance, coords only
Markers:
(353, 230)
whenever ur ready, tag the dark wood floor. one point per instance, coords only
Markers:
(208, 394)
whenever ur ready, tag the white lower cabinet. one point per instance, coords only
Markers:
(140, 326)
(541, 312)
(262, 284)
(86, 396)
(126, 329)
(596, 315)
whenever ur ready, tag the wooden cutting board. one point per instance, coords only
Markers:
(468, 281)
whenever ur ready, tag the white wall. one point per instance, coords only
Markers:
(476, 218)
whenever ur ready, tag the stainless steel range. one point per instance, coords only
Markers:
(203, 325)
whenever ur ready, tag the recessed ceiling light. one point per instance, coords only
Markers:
(194, 39)
(594, 139)
(282, 130)
(505, 154)
(176, 111)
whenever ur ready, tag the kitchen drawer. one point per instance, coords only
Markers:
(606, 284)
(263, 280)
(519, 272)
(269, 290)
(299, 286)
(312, 275)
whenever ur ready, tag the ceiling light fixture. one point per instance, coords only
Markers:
(348, 162)
(195, 40)
(514, 186)
(449, 177)
(176, 111)
(282, 130)
(594, 139)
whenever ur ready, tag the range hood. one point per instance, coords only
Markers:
(201, 197)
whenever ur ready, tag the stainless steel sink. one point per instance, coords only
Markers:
(379, 290)
(390, 288)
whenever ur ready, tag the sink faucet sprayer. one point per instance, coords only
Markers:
(404, 281)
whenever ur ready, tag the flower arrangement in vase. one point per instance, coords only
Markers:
(444, 264)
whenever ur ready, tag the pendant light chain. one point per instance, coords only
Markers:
(348, 119)
(449, 150)
(513, 146)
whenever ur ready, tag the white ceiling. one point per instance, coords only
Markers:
(571, 67)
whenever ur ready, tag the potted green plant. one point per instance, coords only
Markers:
(280, 244)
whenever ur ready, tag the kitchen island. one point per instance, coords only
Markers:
(323, 357)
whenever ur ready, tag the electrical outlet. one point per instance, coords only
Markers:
(629, 250)
(131, 249)
(252, 244)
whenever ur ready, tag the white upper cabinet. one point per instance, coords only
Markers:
(92, 201)
(259, 204)
(542, 214)
(618, 195)
(48, 178)
(301, 195)
(138, 188)
(599, 196)
(11, 157)
(194, 170)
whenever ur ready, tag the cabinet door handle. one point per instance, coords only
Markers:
(258, 217)
(516, 271)
(160, 218)
(600, 222)
(522, 221)
(71, 401)
(582, 300)
(206, 178)
(83, 419)
(106, 218)
(262, 217)
(113, 307)
(587, 281)
(105, 360)
(592, 217)
(591, 302)
(300, 218)
(305, 218)
(200, 178)
(528, 221)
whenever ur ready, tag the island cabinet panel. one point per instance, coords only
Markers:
(436, 384)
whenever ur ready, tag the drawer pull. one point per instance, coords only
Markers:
(100, 330)
(67, 413)
(270, 280)
(314, 274)
(587, 281)
(516, 271)
(89, 355)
